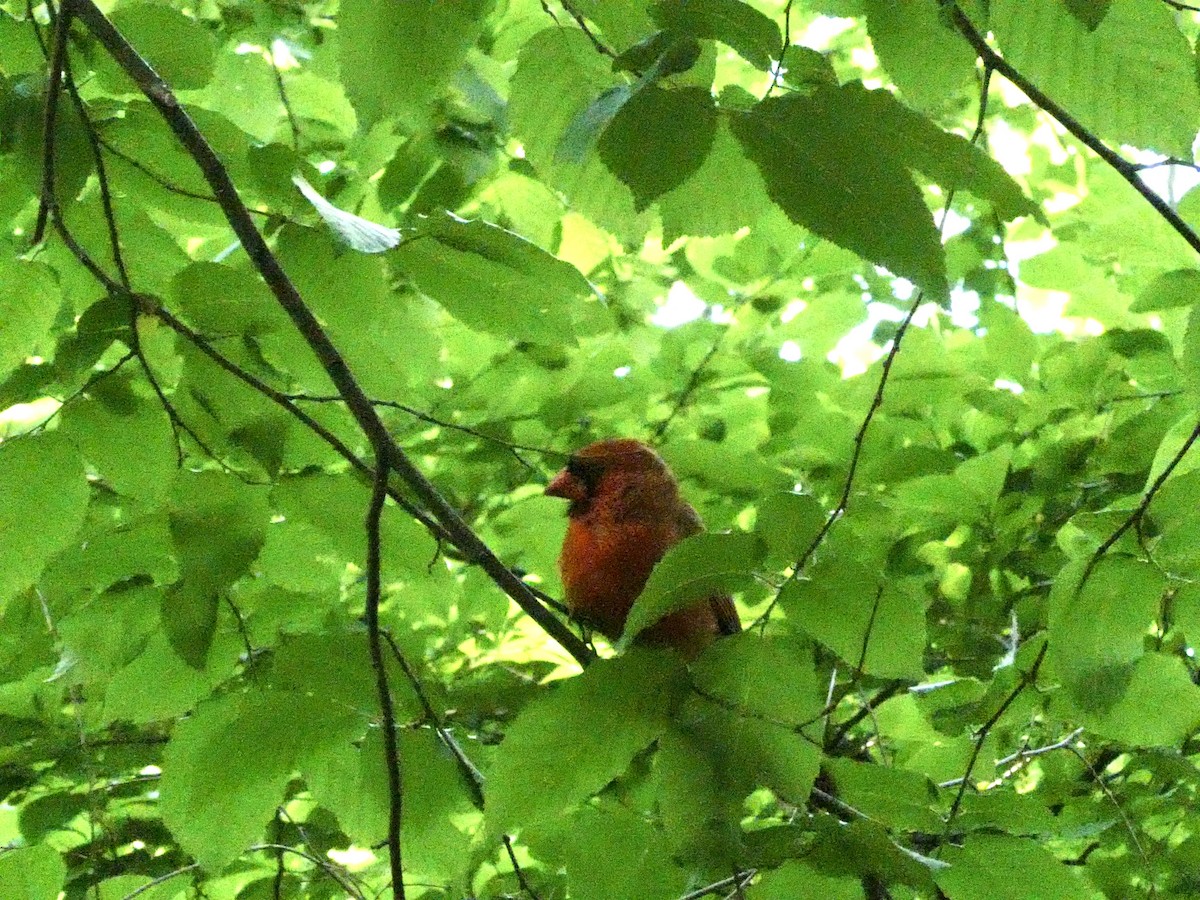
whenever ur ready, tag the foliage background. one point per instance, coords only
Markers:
(969, 546)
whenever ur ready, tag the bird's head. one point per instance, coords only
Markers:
(619, 471)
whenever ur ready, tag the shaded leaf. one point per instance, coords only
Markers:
(747, 30)
(695, 568)
(1001, 867)
(42, 481)
(569, 744)
(658, 138)
(810, 158)
(494, 280)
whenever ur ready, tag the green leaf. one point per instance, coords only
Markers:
(570, 743)
(1002, 867)
(1090, 13)
(1130, 80)
(493, 280)
(946, 158)
(559, 76)
(809, 154)
(796, 879)
(220, 298)
(350, 780)
(928, 61)
(1159, 707)
(108, 632)
(658, 138)
(41, 481)
(860, 617)
(323, 524)
(226, 767)
(698, 816)
(615, 833)
(1175, 511)
(1180, 287)
(1094, 641)
(788, 522)
(752, 34)
(762, 676)
(896, 797)
(32, 873)
(179, 48)
(398, 57)
(695, 568)
(344, 290)
(99, 425)
(29, 301)
(218, 524)
(806, 68)
(1011, 346)
(721, 196)
(177, 686)
(984, 475)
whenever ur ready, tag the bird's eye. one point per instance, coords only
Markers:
(586, 472)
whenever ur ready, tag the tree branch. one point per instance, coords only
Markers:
(388, 455)
(469, 770)
(1027, 679)
(391, 749)
(1123, 167)
(58, 58)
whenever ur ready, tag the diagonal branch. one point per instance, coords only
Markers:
(1124, 168)
(1025, 681)
(1135, 517)
(884, 376)
(1128, 171)
(388, 454)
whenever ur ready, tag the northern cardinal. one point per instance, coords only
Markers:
(625, 514)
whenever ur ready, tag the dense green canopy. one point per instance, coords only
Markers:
(302, 303)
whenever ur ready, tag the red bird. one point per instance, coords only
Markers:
(625, 514)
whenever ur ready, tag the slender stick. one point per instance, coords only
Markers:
(388, 454)
(391, 749)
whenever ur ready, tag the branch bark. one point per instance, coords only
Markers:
(388, 454)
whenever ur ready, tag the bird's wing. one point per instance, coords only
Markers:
(687, 523)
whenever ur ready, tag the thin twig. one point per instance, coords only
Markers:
(514, 448)
(387, 453)
(1135, 517)
(58, 58)
(787, 42)
(600, 46)
(469, 770)
(1022, 756)
(344, 880)
(283, 98)
(739, 879)
(1104, 788)
(689, 390)
(160, 880)
(167, 185)
(1124, 168)
(391, 749)
(517, 870)
(888, 691)
(1026, 679)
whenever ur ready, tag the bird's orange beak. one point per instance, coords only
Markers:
(567, 486)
